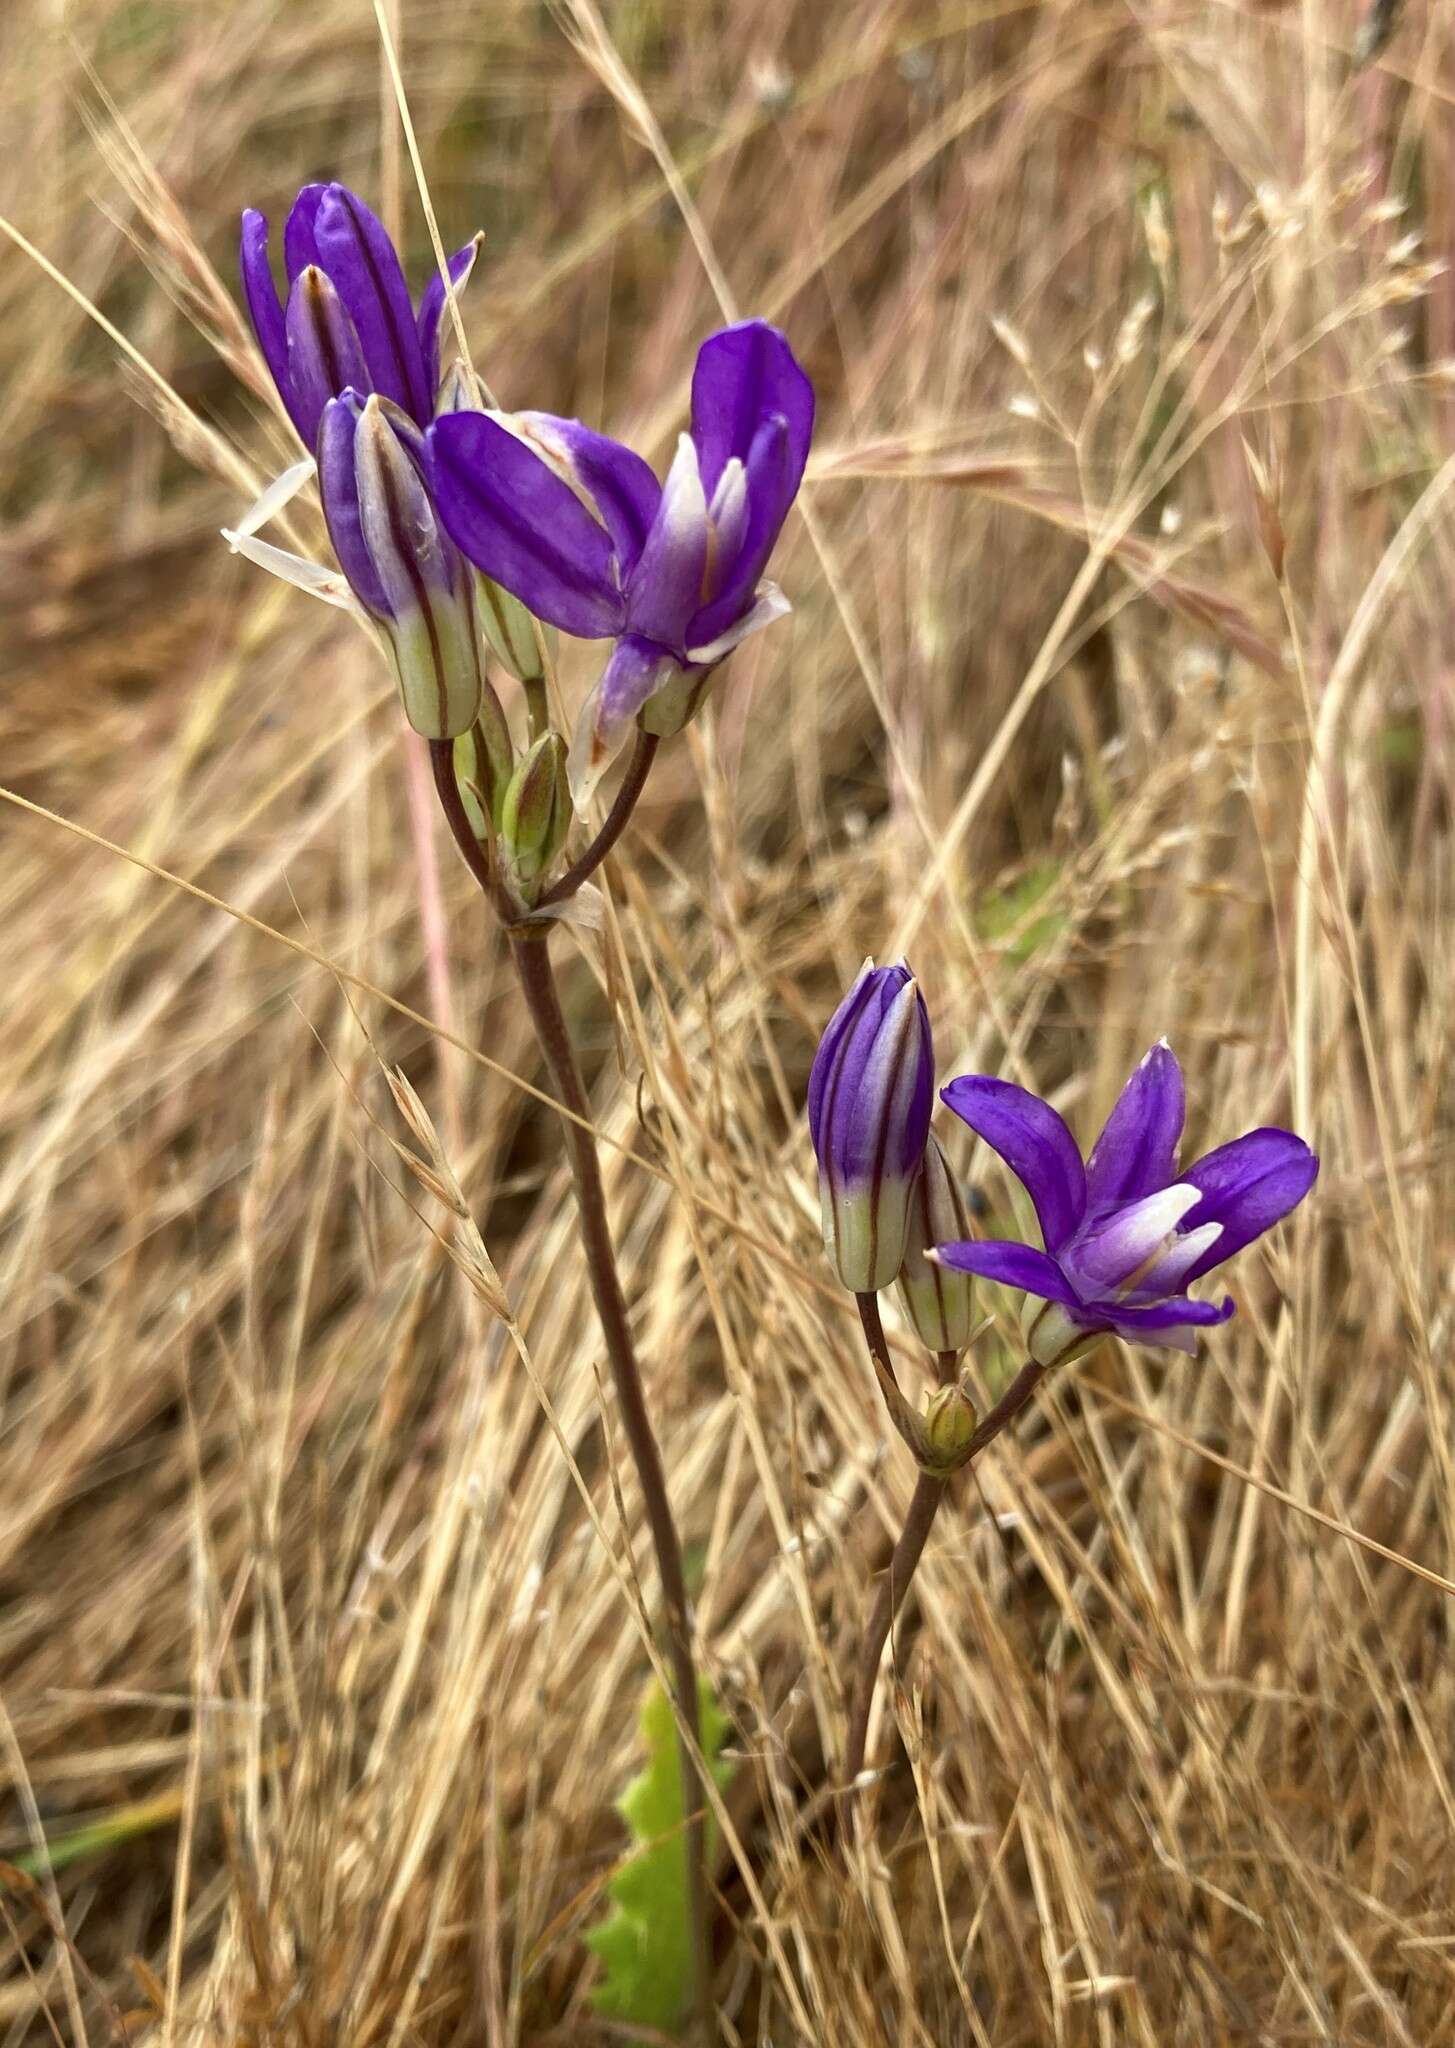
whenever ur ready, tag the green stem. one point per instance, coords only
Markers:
(643, 755)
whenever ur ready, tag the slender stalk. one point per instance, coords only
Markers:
(637, 769)
(923, 1507)
(530, 953)
(530, 950)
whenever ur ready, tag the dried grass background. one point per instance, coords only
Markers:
(321, 1635)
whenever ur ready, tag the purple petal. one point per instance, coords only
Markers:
(744, 376)
(1109, 1253)
(636, 671)
(770, 491)
(834, 1032)
(338, 488)
(432, 306)
(870, 1107)
(1034, 1143)
(516, 520)
(300, 247)
(665, 588)
(264, 308)
(1014, 1265)
(1176, 1323)
(1137, 1150)
(365, 268)
(620, 485)
(323, 350)
(1248, 1186)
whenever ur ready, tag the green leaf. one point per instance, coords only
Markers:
(645, 1942)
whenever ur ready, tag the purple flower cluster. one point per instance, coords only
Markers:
(572, 525)
(1125, 1233)
(577, 527)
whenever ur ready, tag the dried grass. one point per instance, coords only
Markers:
(319, 1609)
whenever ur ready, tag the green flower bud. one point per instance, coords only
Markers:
(936, 1298)
(535, 815)
(948, 1426)
(484, 762)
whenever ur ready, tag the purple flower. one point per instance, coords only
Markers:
(349, 320)
(577, 527)
(869, 1100)
(1126, 1232)
(404, 570)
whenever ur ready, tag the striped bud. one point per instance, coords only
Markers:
(936, 1298)
(401, 565)
(484, 762)
(869, 1117)
(535, 814)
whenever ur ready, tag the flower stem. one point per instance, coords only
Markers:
(529, 947)
(643, 755)
(530, 953)
(923, 1507)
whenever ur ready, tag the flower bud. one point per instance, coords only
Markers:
(484, 762)
(403, 568)
(936, 1298)
(514, 636)
(869, 1118)
(535, 814)
(948, 1426)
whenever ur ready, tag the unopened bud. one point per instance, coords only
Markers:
(869, 1117)
(403, 568)
(535, 815)
(949, 1425)
(936, 1298)
(484, 762)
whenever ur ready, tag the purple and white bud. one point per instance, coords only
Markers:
(401, 565)
(936, 1298)
(869, 1098)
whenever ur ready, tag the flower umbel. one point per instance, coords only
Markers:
(348, 320)
(405, 572)
(869, 1100)
(1127, 1231)
(577, 527)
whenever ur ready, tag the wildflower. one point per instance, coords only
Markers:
(405, 573)
(1127, 1231)
(869, 1099)
(348, 321)
(577, 527)
(936, 1299)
